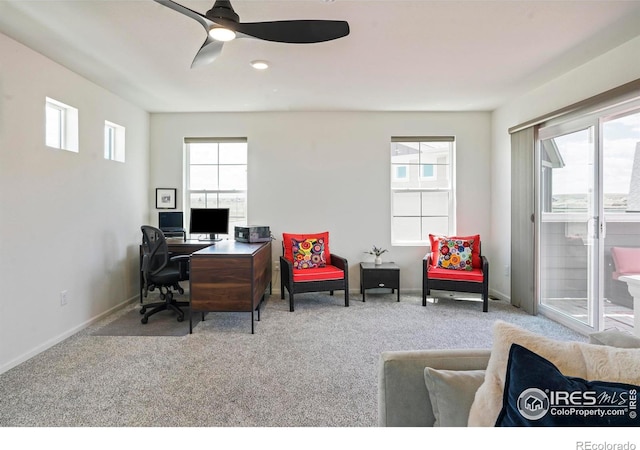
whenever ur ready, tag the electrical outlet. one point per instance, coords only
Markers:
(506, 270)
(64, 297)
(276, 265)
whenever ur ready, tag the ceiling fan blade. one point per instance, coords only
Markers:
(294, 31)
(222, 15)
(207, 53)
(202, 20)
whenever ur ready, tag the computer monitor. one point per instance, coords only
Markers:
(170, 221)
(209, 221)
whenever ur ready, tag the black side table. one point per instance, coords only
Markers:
(385, 275)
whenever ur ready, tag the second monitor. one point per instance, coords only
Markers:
(211, 222)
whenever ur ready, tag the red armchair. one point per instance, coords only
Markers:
(452, 272)
(307, 265)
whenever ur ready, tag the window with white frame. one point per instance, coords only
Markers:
(422, 188)
(114, 141)
(216, 176)
(61, 125)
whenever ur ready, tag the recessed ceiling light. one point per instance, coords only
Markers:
(259, 64)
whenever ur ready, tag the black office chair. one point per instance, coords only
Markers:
(162, 271)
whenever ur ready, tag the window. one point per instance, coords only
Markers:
(216, 176)
(400, 173)
(61, 125)
(621, 162)
(428, 171)
(114, 139)
(422, 188)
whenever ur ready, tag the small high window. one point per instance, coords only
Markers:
(61, 125)
(114, 139)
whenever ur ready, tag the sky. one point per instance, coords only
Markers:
(621, 144)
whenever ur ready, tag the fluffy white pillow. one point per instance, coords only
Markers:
(574, 359)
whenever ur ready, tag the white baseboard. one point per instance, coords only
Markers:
(499, 295)
(61, 337)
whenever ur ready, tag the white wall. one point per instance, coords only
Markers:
(610, 70)
(312, 171)
(69, 221)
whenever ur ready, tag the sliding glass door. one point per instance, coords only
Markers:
(621, 205)
(568, 221)
(588, 207)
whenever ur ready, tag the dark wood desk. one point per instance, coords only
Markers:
(179, 246)
(229, 276)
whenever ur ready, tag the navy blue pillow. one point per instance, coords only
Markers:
(537, 394)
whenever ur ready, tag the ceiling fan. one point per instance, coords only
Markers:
(222, 24)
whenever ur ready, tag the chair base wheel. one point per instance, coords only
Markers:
(144, 320)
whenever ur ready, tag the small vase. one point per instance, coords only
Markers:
(378, 260)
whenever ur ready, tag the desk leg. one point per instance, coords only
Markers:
(252, 325)
(398, 294)
(190, 321)
(258, 308)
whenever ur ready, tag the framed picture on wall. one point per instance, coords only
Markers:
(166, 198)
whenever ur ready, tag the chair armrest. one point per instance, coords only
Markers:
(485, 264)
(285, 263)
(180, 258)
(339, 262)
(286, 268)
(183, 263)
(403, 398)
(426, 263)
(427, 259)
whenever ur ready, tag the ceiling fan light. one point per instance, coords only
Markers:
(222, 34)
(260, 64)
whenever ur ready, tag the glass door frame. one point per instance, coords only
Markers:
(596, 119)
(594, 225)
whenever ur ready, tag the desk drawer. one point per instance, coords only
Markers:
(380, 279)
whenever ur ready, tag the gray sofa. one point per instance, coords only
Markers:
(403, 398)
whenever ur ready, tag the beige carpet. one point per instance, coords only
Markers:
(315, 367)
(163, 323)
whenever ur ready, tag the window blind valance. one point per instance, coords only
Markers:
(423, 138)
(624, 93)
(206, 140)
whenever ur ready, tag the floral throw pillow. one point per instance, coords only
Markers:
(308, 254)
(455, 254)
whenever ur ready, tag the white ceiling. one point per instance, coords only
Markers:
(401, 55)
